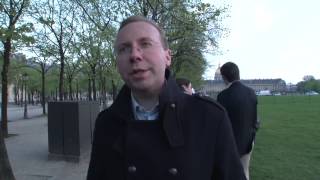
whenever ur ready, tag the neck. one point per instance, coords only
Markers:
(148, 101)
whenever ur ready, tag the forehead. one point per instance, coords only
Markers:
(137, 30)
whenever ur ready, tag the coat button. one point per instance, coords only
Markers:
(173, 105)
(173, 171)
(132, 169)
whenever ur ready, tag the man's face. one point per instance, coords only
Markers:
(141, 58)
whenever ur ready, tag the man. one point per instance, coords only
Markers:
(240, 102)
(153, 131)
(185, 85)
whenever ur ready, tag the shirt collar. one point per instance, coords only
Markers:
(140, 113)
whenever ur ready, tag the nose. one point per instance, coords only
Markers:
(135, 54)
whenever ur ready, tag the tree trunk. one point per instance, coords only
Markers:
(104, 92)
(21, 95)
(70, 90)
(61, 84)
(94, 89)
(93, 80)
(43, 90)
(31, 97)
(61, 92)
(89, 90)
(4, 105)
(77, 87)
(56, 98)
(5, 168)
(16, 94)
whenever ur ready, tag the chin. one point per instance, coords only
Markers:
(140, 86)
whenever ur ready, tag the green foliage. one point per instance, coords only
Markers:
(309, 85)
(192, 28)
(288, 140)
(85, 32)
(12, 25)
(46, 21)
(52, 80)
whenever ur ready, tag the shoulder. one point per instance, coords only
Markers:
(107, 116)
(107, 122)
(208, 101)
(101, 117)
(223, 94)
(248, 89)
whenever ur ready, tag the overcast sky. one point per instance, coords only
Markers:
(272, 39)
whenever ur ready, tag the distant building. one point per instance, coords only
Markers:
(217, 74)
(213, 87)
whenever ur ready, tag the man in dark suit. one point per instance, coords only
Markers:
(240, 102)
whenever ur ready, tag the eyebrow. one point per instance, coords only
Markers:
(146, 39)
(123, 44)
(139, 40)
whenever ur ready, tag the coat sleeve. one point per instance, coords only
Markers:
(96, 170)
(227, 165)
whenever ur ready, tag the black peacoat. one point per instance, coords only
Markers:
(241, 102)
(191, 140)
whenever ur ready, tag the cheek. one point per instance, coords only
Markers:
(121, 68)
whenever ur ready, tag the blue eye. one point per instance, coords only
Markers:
(124, 49)
(146, 44)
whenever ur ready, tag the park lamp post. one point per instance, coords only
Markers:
(25, 78)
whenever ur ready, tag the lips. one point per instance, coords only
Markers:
(138, 73)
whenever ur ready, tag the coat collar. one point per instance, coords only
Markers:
(233, 83)
(170, 109)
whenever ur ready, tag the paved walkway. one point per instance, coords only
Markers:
(28, 153)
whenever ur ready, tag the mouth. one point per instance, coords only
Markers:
(138, 71)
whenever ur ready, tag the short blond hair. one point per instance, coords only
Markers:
(135, 18)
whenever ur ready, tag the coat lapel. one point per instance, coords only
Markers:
(170, 108)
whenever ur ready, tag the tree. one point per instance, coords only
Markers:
(58, 17)
(72, 68)
(192, 28)
(42, 64)
(5, 168)
(95, 43)
(308, 77)
(309, 84)
(10, 30)
(52, 82)
(17, 67)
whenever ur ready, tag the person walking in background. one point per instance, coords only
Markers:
(153, 130)
(185, 85)
(240, 102)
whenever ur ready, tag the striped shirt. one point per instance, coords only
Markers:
(140, 113)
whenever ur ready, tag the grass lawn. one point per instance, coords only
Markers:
(288, 141)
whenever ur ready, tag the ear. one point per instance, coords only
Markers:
(168, 57)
